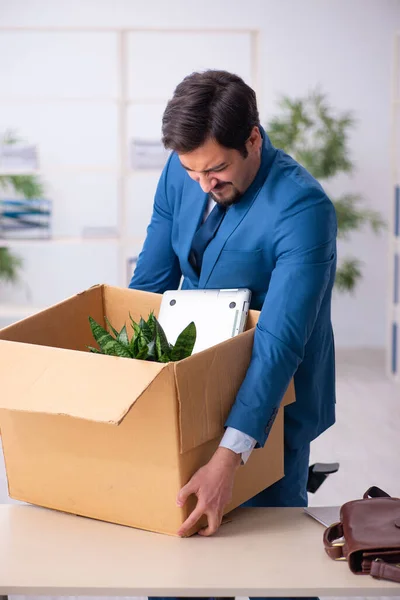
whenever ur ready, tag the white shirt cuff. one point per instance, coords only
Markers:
(238, 442)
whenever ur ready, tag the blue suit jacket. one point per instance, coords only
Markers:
(279, 241)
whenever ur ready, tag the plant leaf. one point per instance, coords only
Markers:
(139, 343)
(162, 345)
(146, 330)
(122, 337)
(134, 346)
(185, 343)
(115, 332)
(10, 265)
(28, 186)
(151, 322)
(348, 275)
(95, 350)
(135, 327)
(142, 354)
(314, 134)
(142, 341)
(106, 342)
(151, 347)
(117, 349)
(164, 358)
(351, 216)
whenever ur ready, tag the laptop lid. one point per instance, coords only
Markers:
(217, 314)
(326, 515)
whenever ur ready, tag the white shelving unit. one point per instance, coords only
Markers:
(81, 95)
(393, 333)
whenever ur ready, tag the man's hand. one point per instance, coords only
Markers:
(212, 484)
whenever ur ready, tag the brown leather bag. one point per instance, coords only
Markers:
(368, 535)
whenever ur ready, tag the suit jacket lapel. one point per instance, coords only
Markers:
(193, 205)
(236, 213)
(232, 219)
(194, 202)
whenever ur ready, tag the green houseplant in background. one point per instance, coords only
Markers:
(309, 131)
(9, 265)
(22, 186)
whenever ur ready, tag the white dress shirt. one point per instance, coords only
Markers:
(235, 440)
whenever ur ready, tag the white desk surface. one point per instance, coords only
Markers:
(261, 552)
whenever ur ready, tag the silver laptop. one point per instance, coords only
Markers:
(217, 314)
(326, 515)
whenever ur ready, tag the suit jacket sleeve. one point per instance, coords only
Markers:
(305, 255)
(157, 268)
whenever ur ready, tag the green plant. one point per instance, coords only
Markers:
(313, 135)
(148, 341)
(27, 186)
(9, 265)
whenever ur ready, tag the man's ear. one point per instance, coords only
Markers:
(254, 140)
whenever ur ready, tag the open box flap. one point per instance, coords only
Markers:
(65, 382)
(207, 384)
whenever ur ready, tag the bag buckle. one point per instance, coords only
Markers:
(381, 560)
(339, 544)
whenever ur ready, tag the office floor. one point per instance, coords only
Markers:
(365, 440)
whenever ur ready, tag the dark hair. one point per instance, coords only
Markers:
(212, 104)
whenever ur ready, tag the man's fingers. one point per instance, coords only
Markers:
(185, 492)
(191, 520)
(214, 522)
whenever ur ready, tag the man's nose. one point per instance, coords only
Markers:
(207, 183)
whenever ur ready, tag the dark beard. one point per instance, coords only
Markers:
(235, 199)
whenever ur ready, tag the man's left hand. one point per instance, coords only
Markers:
(213, 485)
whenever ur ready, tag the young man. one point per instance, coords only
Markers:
(233, 211)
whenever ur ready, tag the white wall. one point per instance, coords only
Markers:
(345, 46)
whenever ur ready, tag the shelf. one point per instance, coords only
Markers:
(116, 100)
(55, 99)
(9, 243)
(124, 30)
(82, 169)
(63, 169)
(11, 172)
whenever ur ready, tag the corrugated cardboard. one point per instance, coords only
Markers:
(114, 438)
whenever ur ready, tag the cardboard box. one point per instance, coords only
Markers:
(115, 438)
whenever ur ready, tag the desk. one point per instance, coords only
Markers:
(261, 552)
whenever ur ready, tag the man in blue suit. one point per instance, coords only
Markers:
(233, 211)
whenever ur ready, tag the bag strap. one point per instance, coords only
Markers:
(333, 547)
(383, 570)
(375, 492)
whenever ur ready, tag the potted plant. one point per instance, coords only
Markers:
(148, 341)
(24, 186)
(312, 134)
